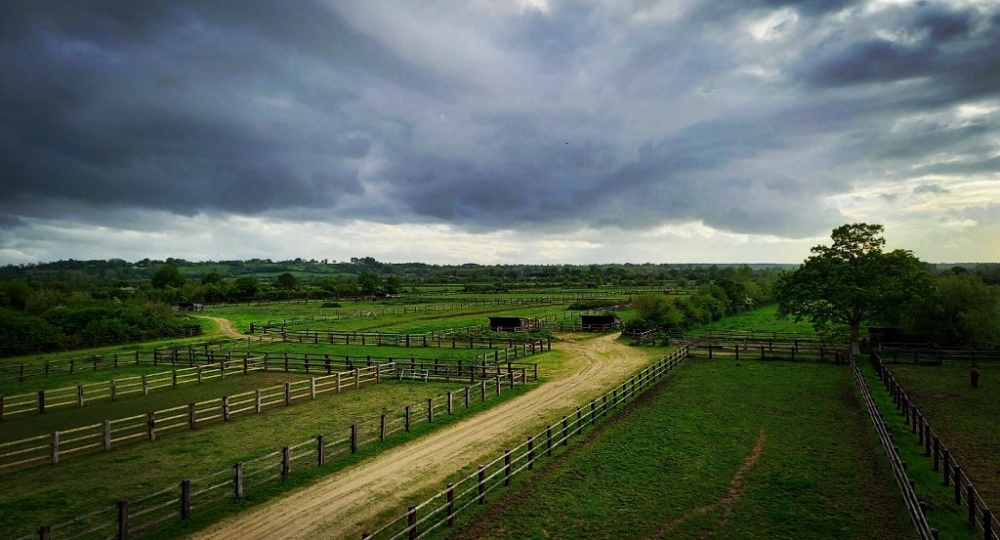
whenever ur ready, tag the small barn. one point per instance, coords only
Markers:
(600, 323)
(189, 306)
(512, 324)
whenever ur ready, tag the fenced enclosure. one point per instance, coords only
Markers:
(440, 510)
(769, 349)
(979, 515)
(913, 504)
(139, 516)
(103, 436)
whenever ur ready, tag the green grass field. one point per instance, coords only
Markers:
(668, 469)
(48, 494)
(964, 418)
(763, 320)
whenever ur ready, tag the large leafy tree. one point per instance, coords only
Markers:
(852, 282)
(168, 276)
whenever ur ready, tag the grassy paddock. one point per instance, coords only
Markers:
(668, 468)
(29, 425)
(762, 319)
(49, 494)
(966, 419)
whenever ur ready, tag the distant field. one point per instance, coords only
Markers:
(726, 449)
(762, 319)
(965, 419)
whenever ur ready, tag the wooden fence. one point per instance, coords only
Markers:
(78, 396)
(383, 339)
(440, 510)
(936, 355)
(913, 504)
(980, 516)
(59, 445)
(795, 350)
(69, 366)
(140, 516)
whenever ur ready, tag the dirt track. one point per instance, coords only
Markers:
(340, 505)
(226, 327)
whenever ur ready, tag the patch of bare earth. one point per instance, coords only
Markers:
(226, 327)
(343, 504)
(727, 502)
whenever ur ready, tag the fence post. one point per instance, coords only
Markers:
(55, 447)
(579, 420)
(288, 394)
(451, 505)
(45, 532)
(407, 418)
(958, 484)
(312, 388)
(107, 435)
(482, 390)
(482, 484)
(506, 467)
(257, 400)
(593, 411)
(467, 392)
(411, 522)
(987, 524)
(185, 498)
(238, 480)
(192, 415)
(381, 429)
(122, 520)
(430, 410)
(565, 430)
(338, 382)
(145, 385)
(79, 396)
(41, 402)
(286, 462)
(947, 463)
(531, 452)
(151, 425)
(937, 453)
(354, 438)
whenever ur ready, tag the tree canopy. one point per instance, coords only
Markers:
(852, 282)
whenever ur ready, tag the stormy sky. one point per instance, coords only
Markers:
(496, 131)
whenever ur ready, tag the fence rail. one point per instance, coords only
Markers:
(944, 462)
(137, 517)
(440, 510)
(910, 498)
(109, 434)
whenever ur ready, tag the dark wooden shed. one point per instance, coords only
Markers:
(600, 323)
(511, 324)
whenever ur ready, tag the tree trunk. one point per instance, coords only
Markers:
(856, 339)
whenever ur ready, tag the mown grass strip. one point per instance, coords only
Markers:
(941, 511)
(730, 449)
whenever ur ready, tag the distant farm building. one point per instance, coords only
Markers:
(600, 323)
(189, 306)
(512, 324)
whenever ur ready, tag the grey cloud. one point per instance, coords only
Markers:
(270, 109)
(930, 188)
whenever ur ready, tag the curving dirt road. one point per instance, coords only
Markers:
(340, 505)
(226, 327)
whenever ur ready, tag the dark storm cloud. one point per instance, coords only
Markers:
(186, 107)
(545, 119)
(953, 51)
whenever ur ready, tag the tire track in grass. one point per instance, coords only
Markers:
(727, 502)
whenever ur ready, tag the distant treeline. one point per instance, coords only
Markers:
(57, 322)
